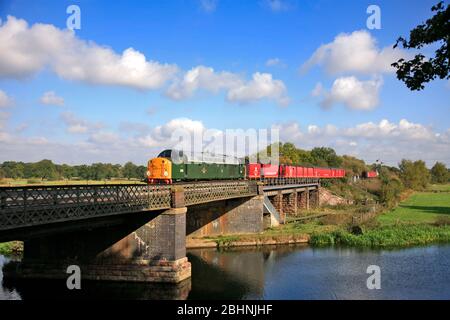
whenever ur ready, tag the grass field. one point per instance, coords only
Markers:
(33, 182)
(439, 187)
(421, 207)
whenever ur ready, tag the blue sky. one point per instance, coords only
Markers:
(238, 38)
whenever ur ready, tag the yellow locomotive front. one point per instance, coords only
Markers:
(159, 170)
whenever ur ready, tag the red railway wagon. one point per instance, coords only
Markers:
(323, 172)
(254, 170)
(288, 171)
(269, 170)
(371, 174)
(299, 172)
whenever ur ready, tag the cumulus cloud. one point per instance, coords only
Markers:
(353, 93)
(25, 50)
(354, 53)
(262, 86)
(202, 77)
(165, 134)
(385, 140)
(5, 100)
(50, 98)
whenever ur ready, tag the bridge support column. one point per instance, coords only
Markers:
(278, 204)
(151, 248)
(314, 198)
(303, 199)
(290, 203)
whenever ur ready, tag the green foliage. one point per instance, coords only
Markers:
(390, 192)
(391, 188)
(353, 166)
(439, 173)
(289, 154)
(326, 157)
(47, 170)
(414, 175)
(388, 236)
(419, 70)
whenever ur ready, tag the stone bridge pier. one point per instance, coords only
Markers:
(293, 201)
(148, 248)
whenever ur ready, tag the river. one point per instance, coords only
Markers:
(282, 272)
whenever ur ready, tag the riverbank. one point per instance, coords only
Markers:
(422, 218)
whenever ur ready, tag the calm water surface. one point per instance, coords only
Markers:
(283, 272)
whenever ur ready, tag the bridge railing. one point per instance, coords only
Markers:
(35, 205)
(213, 191)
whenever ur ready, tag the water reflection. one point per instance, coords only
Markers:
(293, 272)
(5, 292)
(282, 272)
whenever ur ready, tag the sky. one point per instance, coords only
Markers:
(117, 88)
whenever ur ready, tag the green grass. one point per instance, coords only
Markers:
(386, 236)
(440, 187)
(423, 207)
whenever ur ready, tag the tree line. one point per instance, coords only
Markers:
(47, 170)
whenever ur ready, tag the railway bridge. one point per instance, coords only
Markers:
(137, 232)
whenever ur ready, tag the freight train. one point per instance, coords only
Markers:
(175, 165)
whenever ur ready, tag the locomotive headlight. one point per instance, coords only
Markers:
(148, 173)
(166, 173)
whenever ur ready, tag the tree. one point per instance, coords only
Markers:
(129, 170)
(353, 166)
(44, 169)
(414, 175)
(439, 173)
(325, 157)
(12, 169)
(419, 70)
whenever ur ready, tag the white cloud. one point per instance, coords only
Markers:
(208, 5)
(26, 50)
(274, 62)
(385, 140)
(51, 98)
(163, 135)
(202, 77)
(77, 125)
(262, 86)
(277, 5)
(353, 93)
(354, 53)
(5, 100)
